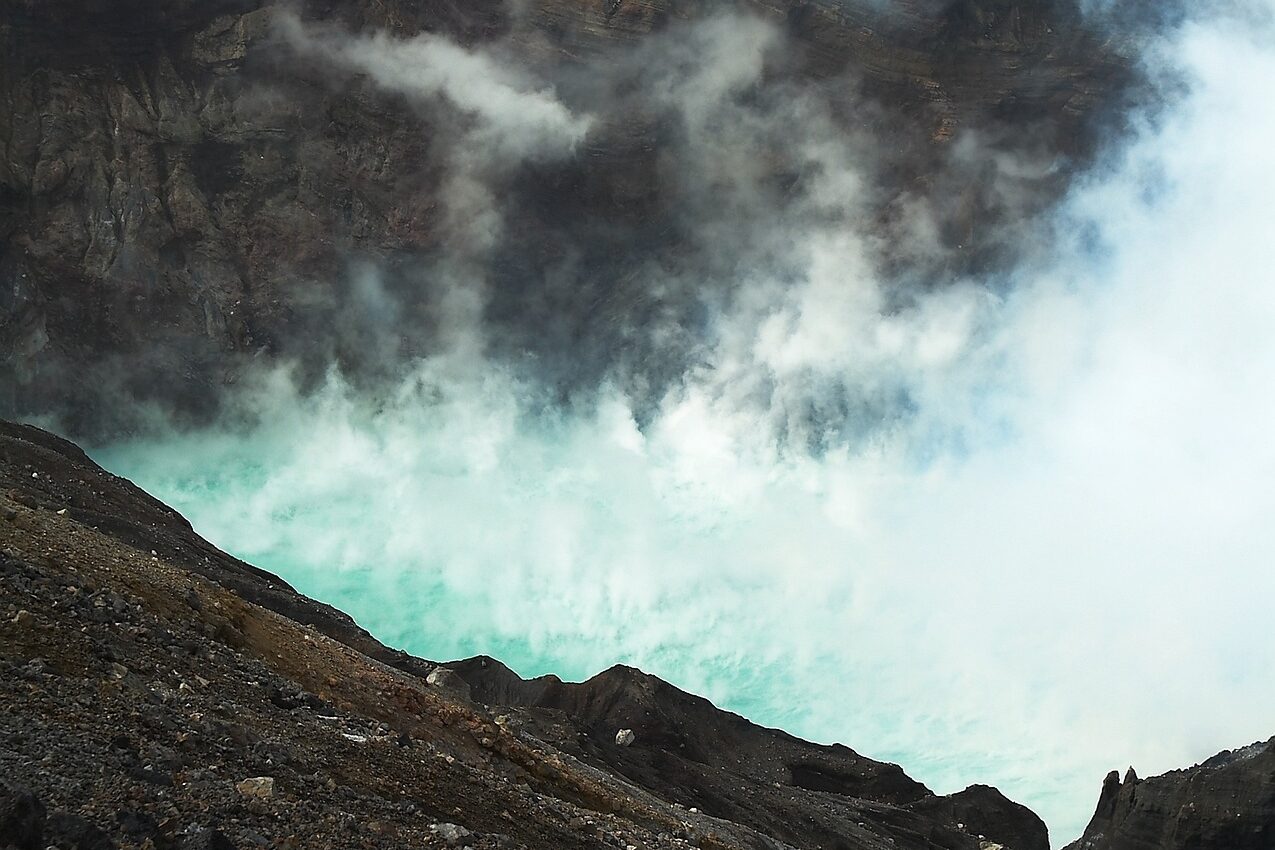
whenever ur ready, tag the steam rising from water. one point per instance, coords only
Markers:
(1016, 534)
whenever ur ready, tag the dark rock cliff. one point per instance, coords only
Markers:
(182, 194)
(1225, 802)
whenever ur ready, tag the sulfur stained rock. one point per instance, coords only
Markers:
(260, 787)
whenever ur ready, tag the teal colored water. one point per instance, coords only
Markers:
(466, 526)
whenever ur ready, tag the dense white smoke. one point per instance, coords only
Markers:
(514, 119)
(1033, 545)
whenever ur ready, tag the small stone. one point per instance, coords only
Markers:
(625, 737)
(23, 618)
(260, 787)
(10, 514)
(62, 512)
(452, 834)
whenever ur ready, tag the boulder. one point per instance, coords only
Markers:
(70, 830)
(21, 819)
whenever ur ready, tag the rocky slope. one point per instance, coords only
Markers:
(1225, 802)
(159, 693)
(183, 193)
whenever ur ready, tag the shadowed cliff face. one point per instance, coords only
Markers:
(1225, 802)
(189, 189)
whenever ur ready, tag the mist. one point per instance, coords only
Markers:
(999, 522)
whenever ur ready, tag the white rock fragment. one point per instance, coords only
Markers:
(448, 680)
(452, 834)
(625, 737)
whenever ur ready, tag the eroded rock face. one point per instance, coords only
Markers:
(183, 193)
(1225, 803)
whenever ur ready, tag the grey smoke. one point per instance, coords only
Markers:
(774, 215)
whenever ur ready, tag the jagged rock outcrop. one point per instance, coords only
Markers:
(156, 692)
(985, 811)
(688, 750)
(182, 194)
(668, 722)
(1225, 803)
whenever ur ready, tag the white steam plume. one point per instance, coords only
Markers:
(504, 120)
(515, 119)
